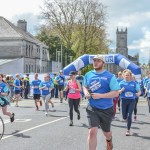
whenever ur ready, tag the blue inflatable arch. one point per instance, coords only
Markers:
(117, 59)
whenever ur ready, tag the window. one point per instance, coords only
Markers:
(29, 69)
(26, 69)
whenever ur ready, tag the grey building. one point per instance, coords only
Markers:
(20, 51)
(122, 48)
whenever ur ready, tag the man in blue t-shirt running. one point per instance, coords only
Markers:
(100, 87)
(36, 91)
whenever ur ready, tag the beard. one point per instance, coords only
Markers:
(98, 68)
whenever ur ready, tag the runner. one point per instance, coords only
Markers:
(100, 88)
(60, 80)
(129, 90)
(80, 78)
(119, 79)
(148, 94)
(136, 99)
(4, 101)
(36, 92)
(46, 87)
(17, 89)
(74, 88)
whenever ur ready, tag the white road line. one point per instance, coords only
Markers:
(34, 127)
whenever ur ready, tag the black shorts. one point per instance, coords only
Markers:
(36, 96)
(5, 102)
(99, 117)
(60, 87)
(17, 92)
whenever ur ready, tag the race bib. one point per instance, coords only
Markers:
(71, 91)
(36, 87)
(128, 94)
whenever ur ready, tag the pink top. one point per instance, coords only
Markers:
(72, 93)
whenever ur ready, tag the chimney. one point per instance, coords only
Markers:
(22, 24)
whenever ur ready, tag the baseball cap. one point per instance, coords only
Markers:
(72, 73)
(100, 57)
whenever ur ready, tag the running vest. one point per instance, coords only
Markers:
(72, 93)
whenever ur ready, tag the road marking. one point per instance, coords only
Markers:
(17, 120)
(34, 127)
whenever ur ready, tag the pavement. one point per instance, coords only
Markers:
(32, 130)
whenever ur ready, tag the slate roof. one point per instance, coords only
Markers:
(9, 31)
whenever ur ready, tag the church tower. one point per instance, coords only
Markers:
(121, 42)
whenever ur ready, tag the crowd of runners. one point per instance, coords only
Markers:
(105, 93)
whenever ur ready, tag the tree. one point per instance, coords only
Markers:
(79, 23)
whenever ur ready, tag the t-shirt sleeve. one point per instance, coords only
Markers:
(137, 86)
(40, 85)
(85, 82)
(114, 85)
(6, 89)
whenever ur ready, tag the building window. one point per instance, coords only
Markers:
(29, 68)
(26, 68)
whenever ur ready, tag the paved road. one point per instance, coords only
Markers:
(32, 130)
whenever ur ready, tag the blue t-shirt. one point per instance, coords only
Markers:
(3, 89)
(17, 83)
(48, 85)
(60, 79)
(103, 82)
(119, 79)
(148, 89)
(35, 84)
(80, 79)
(131, 88)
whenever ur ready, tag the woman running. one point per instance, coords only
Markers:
(73, 95)
(4, 101)
(46, 86)
(129, 90)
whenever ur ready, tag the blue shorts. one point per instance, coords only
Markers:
(17, 92)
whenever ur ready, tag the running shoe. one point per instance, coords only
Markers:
(46, 113)
(128, 133)
(40, 103)
(78, 116)
(71, 123)
(12, 118)
(109, 144)
(134, 118)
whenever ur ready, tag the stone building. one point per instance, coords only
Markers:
(122, 48)
(20, 51)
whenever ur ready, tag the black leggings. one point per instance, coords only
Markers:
(73, 103)
(135, 107)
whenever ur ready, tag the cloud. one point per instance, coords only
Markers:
(142, 46)
(34, 22)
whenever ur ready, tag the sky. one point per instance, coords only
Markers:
(133, 14)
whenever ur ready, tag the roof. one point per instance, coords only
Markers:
(4, 61)
(9, 31)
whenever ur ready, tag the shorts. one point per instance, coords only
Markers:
(99, 117)
(46, 97)
(36, 96)
(5, 102)
(17, 92)
(60, 87)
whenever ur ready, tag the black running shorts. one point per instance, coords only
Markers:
(60, 87)
(36, 96)
(100, 118)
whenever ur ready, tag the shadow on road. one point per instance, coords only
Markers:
(19, 134)
(143, 137)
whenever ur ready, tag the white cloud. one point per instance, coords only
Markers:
(9, 8)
